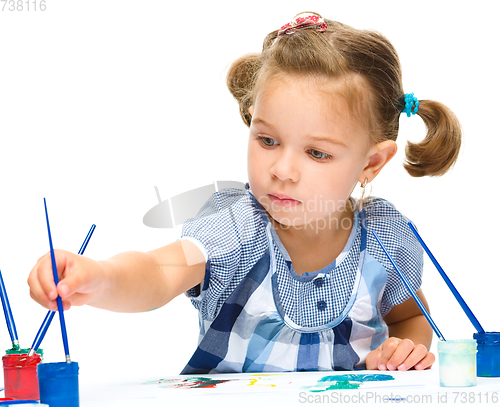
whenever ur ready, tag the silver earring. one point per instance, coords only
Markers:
(363, 191)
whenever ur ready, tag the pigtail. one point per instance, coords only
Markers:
(438, 151)
(240, 81)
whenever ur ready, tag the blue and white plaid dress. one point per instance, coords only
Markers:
(258, 315)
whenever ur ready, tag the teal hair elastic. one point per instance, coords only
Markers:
(411, 104)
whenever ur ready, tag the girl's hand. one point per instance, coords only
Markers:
(399, 354)
(79, 279)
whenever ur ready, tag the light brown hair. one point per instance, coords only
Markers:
(345, 52)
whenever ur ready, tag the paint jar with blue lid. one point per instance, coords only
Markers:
(488, 354)
(58, 383)
(457, 363)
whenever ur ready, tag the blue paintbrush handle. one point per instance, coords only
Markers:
(50, 315)
(41, 332)
(412, 292)
(448, 282)
(9, 318)
(56, 281)
(86, 241)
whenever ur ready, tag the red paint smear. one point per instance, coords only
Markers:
(200, 384)
(191, 383)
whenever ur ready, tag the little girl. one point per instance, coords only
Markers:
(286, 275)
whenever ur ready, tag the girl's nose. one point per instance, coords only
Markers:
(286, 168)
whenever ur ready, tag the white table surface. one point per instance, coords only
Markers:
(415, 387)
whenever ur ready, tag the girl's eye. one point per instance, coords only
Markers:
(319, 155)
(267, 141)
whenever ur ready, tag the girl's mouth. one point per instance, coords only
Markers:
(283, 200)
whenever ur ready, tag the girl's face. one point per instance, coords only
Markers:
(305, 153)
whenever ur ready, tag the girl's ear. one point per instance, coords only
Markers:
(379, 155)
(250, 110)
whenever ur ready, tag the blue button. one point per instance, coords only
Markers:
(321, 305)
(318, 282)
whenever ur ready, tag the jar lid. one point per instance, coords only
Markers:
(59, 369)
(457, 346)
(487, 338)
(16, 360)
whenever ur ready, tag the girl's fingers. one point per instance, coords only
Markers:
(416, 355)
(389, 346)
(426, 362)
(405, 347)
(49, 304)
(71, 284)
(44, 274)
(38, 300)
(39, 287)
(66, 305)
(395, 353)
(41, 279)
(372, 359)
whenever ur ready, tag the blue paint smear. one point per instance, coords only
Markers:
(357, 378)
(345, 381)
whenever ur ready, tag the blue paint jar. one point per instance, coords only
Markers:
(58, 383)
(488, 354)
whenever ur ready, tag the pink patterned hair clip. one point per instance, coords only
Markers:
(303, 20)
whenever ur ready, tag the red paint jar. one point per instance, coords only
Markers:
(20, 380)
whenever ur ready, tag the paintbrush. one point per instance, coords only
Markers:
(9, 318)
(50, 315)
(448, 282)
(412, 292)
(56, 281)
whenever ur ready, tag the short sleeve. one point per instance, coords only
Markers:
(393, 230)
(229, 230)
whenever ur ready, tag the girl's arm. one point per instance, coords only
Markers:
(407, 321)
(127, 282)
(410, 337)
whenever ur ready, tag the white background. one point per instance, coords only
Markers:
(100, 101)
